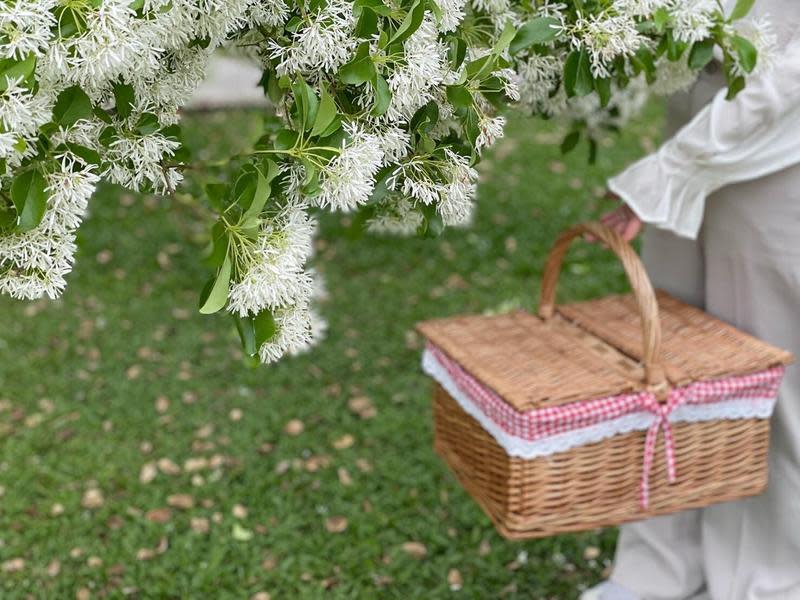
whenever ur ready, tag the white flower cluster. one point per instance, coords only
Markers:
(448, 183)
(385, 107)
(34, 263)
(349, 178)
(606, 37)
(323, 45)
(422, 70)
(274, 279)
(762, 34)
(94, 46)
(692, 19)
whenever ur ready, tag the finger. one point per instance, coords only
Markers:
(616, 221)
(610, 217)
(632, 228)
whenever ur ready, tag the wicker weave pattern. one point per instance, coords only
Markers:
(597, 485)
(535, 362)
(726, 350)
(584, 351)
(529, 362)
(593, 350)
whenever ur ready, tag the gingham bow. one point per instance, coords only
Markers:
(662, 411)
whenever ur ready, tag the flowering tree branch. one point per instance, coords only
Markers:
(383, 108)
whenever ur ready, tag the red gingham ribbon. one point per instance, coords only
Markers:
(662, 411)
(545, 422)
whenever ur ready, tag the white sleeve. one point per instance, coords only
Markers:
(751, 136)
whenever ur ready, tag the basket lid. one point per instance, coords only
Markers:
(592, 349)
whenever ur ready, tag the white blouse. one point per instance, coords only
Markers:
(728, 141)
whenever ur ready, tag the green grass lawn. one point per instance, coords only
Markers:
(141, 458)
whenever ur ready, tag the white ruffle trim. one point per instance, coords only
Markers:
(751, 408)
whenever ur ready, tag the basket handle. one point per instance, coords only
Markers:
(640, 283)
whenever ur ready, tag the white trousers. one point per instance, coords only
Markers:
(745, 269)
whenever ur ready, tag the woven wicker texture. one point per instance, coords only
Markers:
(533, 362)
(642, 340)
(597, 485)
(685, 330)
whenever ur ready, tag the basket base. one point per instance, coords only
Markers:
(597, 485)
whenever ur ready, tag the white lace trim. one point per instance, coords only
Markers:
(751, 408)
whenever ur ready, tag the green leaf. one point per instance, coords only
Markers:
(264, 327)
(103, 115)
(311, 183)
(306, 102)
(216, 193)
(457, 52)
(218, 249)
(376, 6)
(425, 144)
(72, 105)
(245, 187)
(701, 54)
(570, 141)
(203, 42)
(660, 19)
(735, 85)
(741, 9)
(332, 128)
(13, 69)
(480, 67)
(747, 53)
(107, 136)
(90, 156)
(459, 96)
(29, 198)
(383, 96)
(603, 87)
(425, 118)
(311, 173)
(124, 98)
(359, 70)
(592, 151)
(70, 21)
(675, 47)
(381, 185)
(272, 169)
(411, 22)
(326, 112)
(8, 216)
(247, 333)
(432, 225)
(286, 139)
(508, 34)
(578, 79)
(216, 295)
(472, 127)
(642, 61)
(260, 197)
(147, 124)
(367, 24)
(536, 31)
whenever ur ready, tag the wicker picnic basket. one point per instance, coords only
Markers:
(559, 422)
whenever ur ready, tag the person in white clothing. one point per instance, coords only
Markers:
(721, 200)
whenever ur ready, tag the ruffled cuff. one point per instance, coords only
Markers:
(665, 192)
